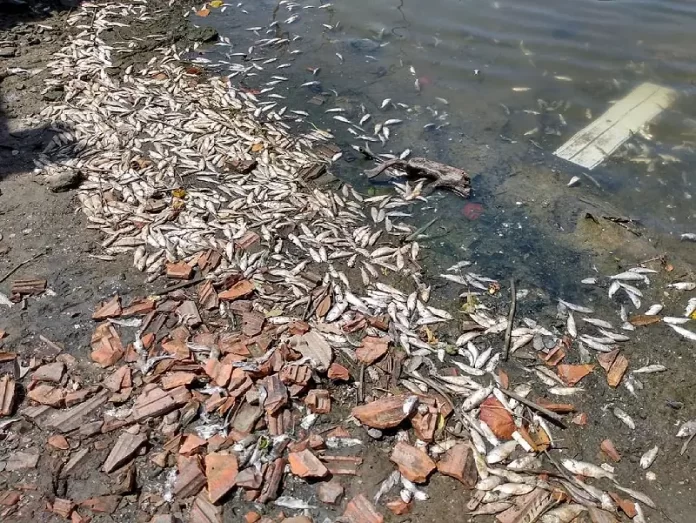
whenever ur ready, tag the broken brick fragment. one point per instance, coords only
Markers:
(238, 290)
(399, 507)
(153, 402)
(179, 271)
(306, 465)
(606, 359)
(627, 506)
(123, 451)
(330, 492)
(318, 401)
(498, 419)
(203, 511)
(338, 372)
(573, 374)
(107, 350)
(108, 309)
(62, 507)
(617, 370)
(372, 349)
(7, 395)
(192, 444)
(221, 471)
(9, 498)
(191, 478)
(610, 450)
(342, 465)
(103, 504)
(58, 441)
(413, 463)
(45, 394)
(360, 510)
(177, 379)
(249, 478)
(52, 372)
(458, 462)
(385, 413)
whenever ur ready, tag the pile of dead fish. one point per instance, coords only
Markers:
(182, 173)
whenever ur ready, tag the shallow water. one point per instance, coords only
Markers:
(500, 86)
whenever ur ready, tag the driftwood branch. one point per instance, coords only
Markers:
(535, 406)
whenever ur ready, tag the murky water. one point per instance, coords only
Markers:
(493, 87)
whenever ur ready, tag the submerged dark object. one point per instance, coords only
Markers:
(445, 176)
(472, 211)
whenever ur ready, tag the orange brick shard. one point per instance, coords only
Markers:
(413, 463)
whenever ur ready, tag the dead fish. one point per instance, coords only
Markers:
(477, 398)
(599, 323)
(650, 369)
(576, 308)
(565, 391)
(635, 494)
(515, 489)
(385, 103)
(683, 286)
(491, 508)
(584, 468)
(292, 503)
(489, 483)
(501, 452)
(624, 418)
(649, 457)
(689, 335)
(570, 326)
(614, 288)
(563, 514)
(628, 276)
(654, 310)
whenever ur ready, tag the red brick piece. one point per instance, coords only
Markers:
(330, 492)
(372, 349)
(385, 413)
(360, 510)
(238, 290)
(413, 463)
(318, 401)
(458, 462)
(221, 471)
(338, 372)
(179, 271)
(306, 465)
(108, 309)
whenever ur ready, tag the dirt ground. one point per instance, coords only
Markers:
(37, 222)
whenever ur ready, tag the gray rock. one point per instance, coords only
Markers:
(64, 181)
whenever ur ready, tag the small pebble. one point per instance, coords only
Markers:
(374, 433)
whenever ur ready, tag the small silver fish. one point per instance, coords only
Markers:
(624, 418)
(649, 457)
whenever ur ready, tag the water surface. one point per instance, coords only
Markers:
(493, 87)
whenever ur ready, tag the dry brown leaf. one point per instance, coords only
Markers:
(642, 320)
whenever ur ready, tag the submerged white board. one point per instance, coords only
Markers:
(591, 146)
